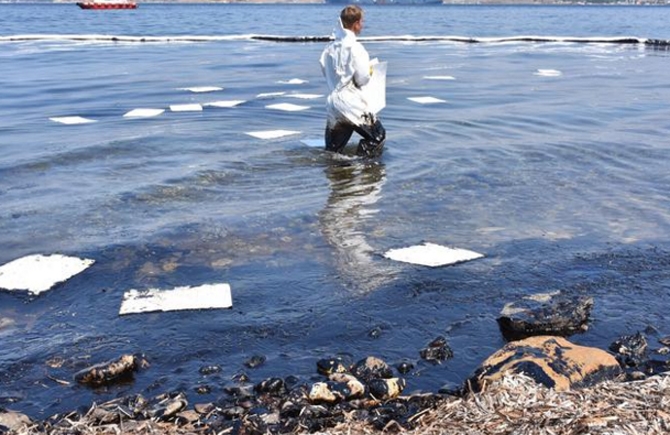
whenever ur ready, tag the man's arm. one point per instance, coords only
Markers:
(361, 64)
(322, 62)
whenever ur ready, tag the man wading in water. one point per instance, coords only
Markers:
(346, 65)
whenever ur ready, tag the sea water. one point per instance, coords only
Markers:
(549, 156)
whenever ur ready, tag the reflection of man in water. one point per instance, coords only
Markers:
(355, 188)
(346, 65)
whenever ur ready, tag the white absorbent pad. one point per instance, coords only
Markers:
(71, 120)
(548, 73)
(224, 103)
(287, 107)
(270, 94)
(374, 91)
(426, 100)
(305, 96)
(202, 89)
(271, 134)
(293, 82)
(206, 296)
(433, 255)
(39, 273)
(143, 113)
(439, 77)
(186, 107)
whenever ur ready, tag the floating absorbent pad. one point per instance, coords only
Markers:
(224, 103)
(271, 134)
(270, 94)
(202, 89)
(71, 120)
(548, 73)
(293, 82)
(39, 273)
(439, 77)
(207, 296)
(287, 107)
(426, 100)
(186, 108)
(143, 113)
(305, 96)
(430, 254)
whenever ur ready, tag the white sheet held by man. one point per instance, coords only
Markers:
(353, 101)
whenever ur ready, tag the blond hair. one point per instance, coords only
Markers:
(350, 15)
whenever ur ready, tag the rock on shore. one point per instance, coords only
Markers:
(547, 314)
(551, 361)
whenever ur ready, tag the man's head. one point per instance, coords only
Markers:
(352, 18)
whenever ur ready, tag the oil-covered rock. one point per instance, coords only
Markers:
(551, 361)
(109, 372)
(547, 314)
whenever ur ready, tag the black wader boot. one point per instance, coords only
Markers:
(374, 136)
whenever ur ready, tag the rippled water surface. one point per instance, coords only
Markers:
(550, 158)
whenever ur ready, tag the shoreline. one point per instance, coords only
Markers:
(514, 404)
(527, 396)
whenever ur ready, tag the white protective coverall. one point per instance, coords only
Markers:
(346, 66)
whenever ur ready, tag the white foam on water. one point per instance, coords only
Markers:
(270, 94)
(143, 113)
(71, 120)
(271, 134)
(186, 108)
(202, 89)
(305, 96)
(432, 255)
(313, 143)
(548, 73)
(208, 296)
(293, 82)
(39, 273)
(287, 107)
(224, 103)
(439, 77)
(426, 100)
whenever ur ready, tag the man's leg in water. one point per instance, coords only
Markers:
(374, 135)
(337, 135)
